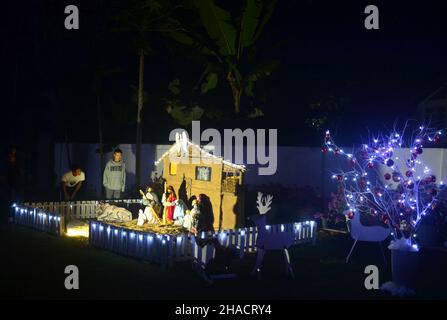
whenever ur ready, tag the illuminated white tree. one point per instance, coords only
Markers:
(389, 179)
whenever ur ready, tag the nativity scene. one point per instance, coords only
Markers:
(215, 183)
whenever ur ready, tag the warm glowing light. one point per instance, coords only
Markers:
(78, 232)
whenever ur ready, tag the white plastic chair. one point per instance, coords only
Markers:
(360, 232)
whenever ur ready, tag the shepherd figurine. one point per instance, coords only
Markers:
(149, 215)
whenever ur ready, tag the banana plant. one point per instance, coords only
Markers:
(228, 41)
(180, 112)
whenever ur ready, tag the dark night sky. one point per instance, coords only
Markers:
(323, 47)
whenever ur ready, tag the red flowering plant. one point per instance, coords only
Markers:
(334, 214)
(389, 179)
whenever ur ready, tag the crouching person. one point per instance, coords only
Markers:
(72, 182)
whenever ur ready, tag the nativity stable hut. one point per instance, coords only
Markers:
(192, 171)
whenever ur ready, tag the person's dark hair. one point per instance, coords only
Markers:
(75, 167)
(193, 197)
(118, 150)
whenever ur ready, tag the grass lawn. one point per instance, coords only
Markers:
(33, 266)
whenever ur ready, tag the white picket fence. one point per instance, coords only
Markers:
(53, 216)
(166, 249)
(243, 240)
(78, 209)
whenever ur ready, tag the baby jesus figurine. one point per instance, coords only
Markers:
(184, 217)
(149, 215)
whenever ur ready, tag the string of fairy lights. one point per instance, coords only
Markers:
(378, 184)
(34, 212)
(36, 218)
(204, 153)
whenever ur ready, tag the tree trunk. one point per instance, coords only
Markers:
(67, 149)
(236, 90)
(139, 121)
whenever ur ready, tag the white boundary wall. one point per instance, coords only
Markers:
(296, 166)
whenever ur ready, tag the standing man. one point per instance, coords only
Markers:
(72, 182)
(114, 178)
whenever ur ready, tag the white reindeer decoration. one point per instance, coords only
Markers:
(263, 203)
(268, 241)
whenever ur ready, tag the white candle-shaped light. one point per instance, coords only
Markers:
(312, 223)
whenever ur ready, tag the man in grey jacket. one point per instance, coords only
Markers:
(114, 178)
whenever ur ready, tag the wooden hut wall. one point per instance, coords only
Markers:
(186, 175)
